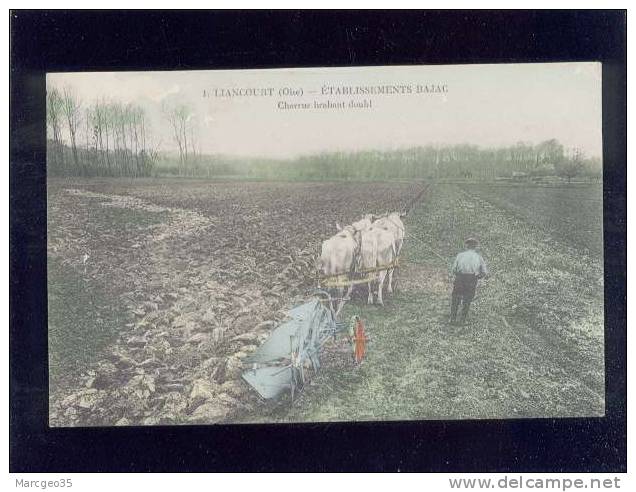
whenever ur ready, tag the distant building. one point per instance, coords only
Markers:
(519, 176)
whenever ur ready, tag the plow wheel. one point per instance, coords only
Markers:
(359, 342)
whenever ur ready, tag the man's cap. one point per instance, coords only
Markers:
(471, 241)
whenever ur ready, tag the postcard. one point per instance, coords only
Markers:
(325, 244)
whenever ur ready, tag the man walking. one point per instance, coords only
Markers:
(468, 267)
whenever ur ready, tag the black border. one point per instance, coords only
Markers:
(132, 40)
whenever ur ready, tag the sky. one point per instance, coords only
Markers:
(485, 105)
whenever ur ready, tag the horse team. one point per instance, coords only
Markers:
(363, 247)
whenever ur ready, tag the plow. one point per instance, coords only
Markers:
(282, 363)
(292, 351)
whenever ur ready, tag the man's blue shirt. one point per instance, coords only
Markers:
(470, 261)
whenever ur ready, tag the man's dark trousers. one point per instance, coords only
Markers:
(464, 292)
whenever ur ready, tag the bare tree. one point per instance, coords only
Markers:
(571, 167)
(54, 122)
(71, 109)
(178, 116)
(98, 124)
(88, 118)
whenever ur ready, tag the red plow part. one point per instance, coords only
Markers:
(360, 341)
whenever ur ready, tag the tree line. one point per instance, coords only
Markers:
(109, 138)
(522, 160)
(101, 139)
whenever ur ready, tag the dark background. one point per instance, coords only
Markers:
(156, 40)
